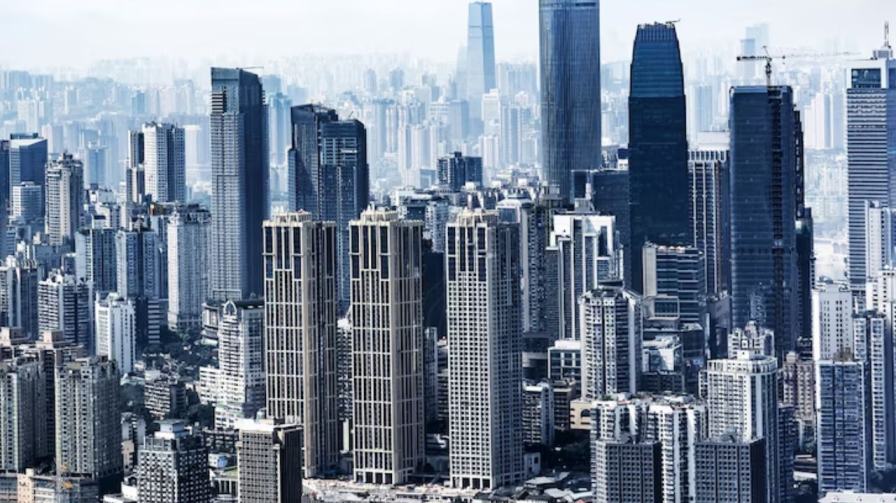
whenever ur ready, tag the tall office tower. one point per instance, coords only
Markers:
(88, 415)
(139, 274)
(279, 127)
(164, 162)
(22, 407)
(27, 159)
(19, 280)
(300, 332)
(64, 195)
(269, 455)
(65, 304)
(608, 190)
(480, 60)
(676, 422)
(708, 174)
(329, 176)
(764, 164)
(832, 321)
(95, 156)
(188, 262)
(586, 252)
(534, 220)
(874, 345)
(173, 466)
(844, 425)
(95, 258)
(676, 271)
(116, 333)
(240, 183)
(730, 470)
(742, 398)
(387, 347)
(870, 119)
(626, 469)
(569, 39)
(485, 373)
(610, 331)
(880, 238)
(804, 248)
(658, 146)
(240, 362)
(26, 203)
(457, 170)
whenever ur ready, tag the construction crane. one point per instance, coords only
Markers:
(768, 58)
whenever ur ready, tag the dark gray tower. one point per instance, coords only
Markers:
(570, 89)
(240, 182)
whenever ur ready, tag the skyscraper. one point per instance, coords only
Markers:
(300, 332)
(88, 430)
(387, 348)
(240, 362)
(173, 466)
(485, 373)
(164, 164)
(240, 182)
(64, 304)
(480, 61)
(730, 470)
(64, 195)
(19, 280)
(569, 39)
(676, 272)
(708, 172)
(95, 258)
(765, 161)
(188, 275)
(870, 141)
(658, 147)
(329, 175)
(832, 321)
(116, 333)
(844, 425)
(457, 170)
(140, 276)
(626, 469)
(742, 400)
(269, 456)
(22, 409)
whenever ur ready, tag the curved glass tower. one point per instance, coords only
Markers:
(570, 89)
(658, 148)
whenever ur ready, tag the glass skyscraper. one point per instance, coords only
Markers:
(658, 148)
(570, 89)
(764, 178)
(480, 54)
(240, 182)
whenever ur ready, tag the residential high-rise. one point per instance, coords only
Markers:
(23, 426)
(485, 372)
(626, 469)
(140, 274)
(116, 333)
(538, 414)
(65, 304)
(843, 435)
(676, 422)
(880, 238)
(300, 332)
(870, 141)
(708, 171)
(88, 430)
(240, 362)
(387, 347)
(480, 61)
(164, 162)
(610, 330)
(19, 279)
(457, 170)
(742, 400)
(586, 251)
(569, 40)
(676, 272)
(240, 183)
(329, 175)
(173, 466)
(874, 345)
(64, 195)
(95, 258)
(832, 321)
(269, 456)
(187, 241)
(658, 146)
(765, 159)
(730, 470)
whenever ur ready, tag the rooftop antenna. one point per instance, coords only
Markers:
(887, 34)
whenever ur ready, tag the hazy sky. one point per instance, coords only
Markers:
(41, 33)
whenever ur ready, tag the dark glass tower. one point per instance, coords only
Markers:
(570, 89)
(765, 195)
(658, 148)
(240, 183)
